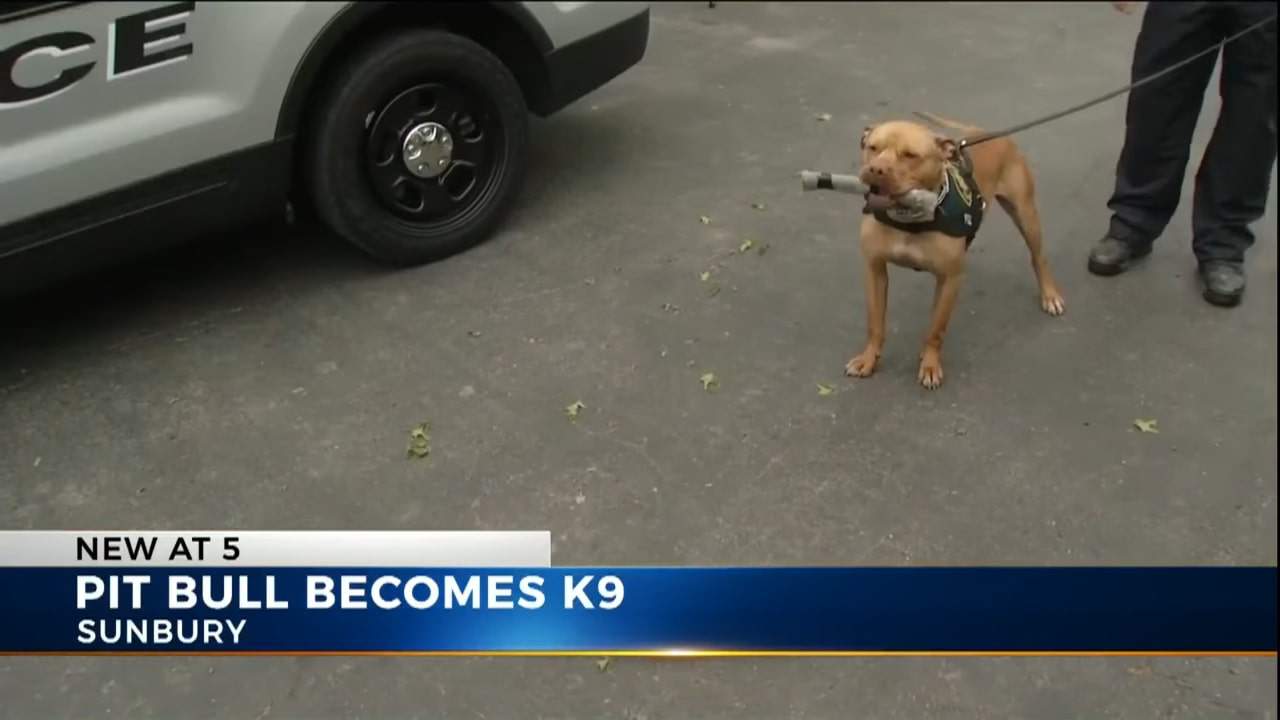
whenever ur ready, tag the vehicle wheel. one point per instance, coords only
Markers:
(418, 148)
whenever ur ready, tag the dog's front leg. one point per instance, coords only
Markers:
(944, 301)
(876, 279)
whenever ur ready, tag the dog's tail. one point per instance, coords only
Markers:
(944, 122)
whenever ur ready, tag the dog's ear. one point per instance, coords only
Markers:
(950, 151)
(866, 132)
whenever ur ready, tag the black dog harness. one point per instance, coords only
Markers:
(960, 205)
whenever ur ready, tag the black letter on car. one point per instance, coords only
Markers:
(130, 36)
(55, 44)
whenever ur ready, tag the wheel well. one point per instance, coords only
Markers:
(504, 29)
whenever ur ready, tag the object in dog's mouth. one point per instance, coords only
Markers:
(918, 203)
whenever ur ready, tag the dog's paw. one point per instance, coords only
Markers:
(1052, 302)
(930, 374)
(862, 365)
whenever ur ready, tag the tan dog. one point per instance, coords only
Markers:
(900, 156)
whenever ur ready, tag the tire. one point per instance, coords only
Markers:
(387, 87)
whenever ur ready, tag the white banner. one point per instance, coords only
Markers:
(278, 548)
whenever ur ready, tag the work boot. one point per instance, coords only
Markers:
(1223, 282)
(1112, 256)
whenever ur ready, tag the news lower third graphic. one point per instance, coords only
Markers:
(491, 593)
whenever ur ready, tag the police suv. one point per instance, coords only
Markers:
(403, 126)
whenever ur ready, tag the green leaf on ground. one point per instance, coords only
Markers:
(420, 441)
(745, 246)
(825, 390)
(822, 117)
(573, 408)
(705, 275)
(704, 219)
(603, 663)
(1146, 426)
(757, 206)
(709, 381)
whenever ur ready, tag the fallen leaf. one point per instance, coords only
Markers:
(709, 381)
(603, 663)
(573, 408)
(670, 307)
(589, 281)
(705, 275)
(825, 389)
(704, 219)
(757, 206)
(762, 249)
(1146, 426)
(745, 246)
(822, 117)
(420, 441)
(713, 291)
(37, 462)
(473, 333)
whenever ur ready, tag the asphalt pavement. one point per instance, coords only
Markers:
(269, 380)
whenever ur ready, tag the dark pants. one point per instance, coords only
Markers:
(1234, 178)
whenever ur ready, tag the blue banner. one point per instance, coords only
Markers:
(603, 610)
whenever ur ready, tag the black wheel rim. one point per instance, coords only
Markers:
(468, 176)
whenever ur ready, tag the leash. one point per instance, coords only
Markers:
(984, 137)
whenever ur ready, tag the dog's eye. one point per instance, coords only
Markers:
(910, 155)
(873, 148)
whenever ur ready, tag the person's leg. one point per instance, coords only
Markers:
(1161, 117)
(1235, 175)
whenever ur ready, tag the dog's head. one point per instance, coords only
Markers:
(900, 156)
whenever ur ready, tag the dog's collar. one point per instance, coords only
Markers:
(946, 185)
(959, 210)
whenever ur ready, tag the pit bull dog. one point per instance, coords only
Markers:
(900, 156)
